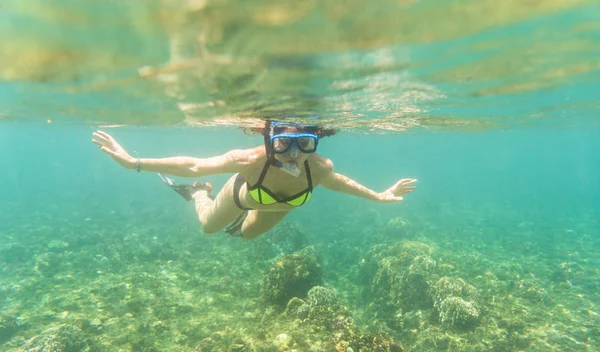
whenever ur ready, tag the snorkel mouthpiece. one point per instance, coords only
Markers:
(289, 166)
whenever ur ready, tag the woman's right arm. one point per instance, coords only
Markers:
(183, 166)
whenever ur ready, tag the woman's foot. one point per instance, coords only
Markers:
(187, 191)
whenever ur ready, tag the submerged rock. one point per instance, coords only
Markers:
(456, 302)
(57, 246)
(48, 263)
(297, 308)
(397, 276)
(14, 253)
(283, 342)
(400, 227)
(8, 327)
(63, 338)
(291, 276)
(448, 287)
(321, 296)
(404, 282)
(378, 342)
(286, 238)
(457, 312)
(328, 314)
(531, 289)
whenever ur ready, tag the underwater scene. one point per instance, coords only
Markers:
(447, 175)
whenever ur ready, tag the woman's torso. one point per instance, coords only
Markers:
(277, 181)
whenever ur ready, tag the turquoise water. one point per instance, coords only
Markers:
(497, 249)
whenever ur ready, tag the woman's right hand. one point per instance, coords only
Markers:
(110, 146)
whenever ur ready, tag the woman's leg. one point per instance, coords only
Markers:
(218, 213)
(259, 222)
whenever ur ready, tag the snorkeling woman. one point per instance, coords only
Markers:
(268, 182)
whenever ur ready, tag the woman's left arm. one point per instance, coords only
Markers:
(343, 184)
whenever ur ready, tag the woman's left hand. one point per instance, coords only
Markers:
(394, 193)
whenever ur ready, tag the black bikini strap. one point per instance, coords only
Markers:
(308, 176)
(262, 174)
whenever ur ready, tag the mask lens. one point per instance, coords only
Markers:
(307, 144)
(281, 144)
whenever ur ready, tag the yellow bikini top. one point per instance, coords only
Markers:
(263, 195)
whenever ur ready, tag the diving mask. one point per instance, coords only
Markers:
(305, 139)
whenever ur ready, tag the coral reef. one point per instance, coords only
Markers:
(116, 286)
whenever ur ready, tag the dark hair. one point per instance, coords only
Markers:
(264, 130)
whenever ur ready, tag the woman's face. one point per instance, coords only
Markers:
(293, 153)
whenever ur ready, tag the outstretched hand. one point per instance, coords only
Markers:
(394, 193)
(110, 146)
